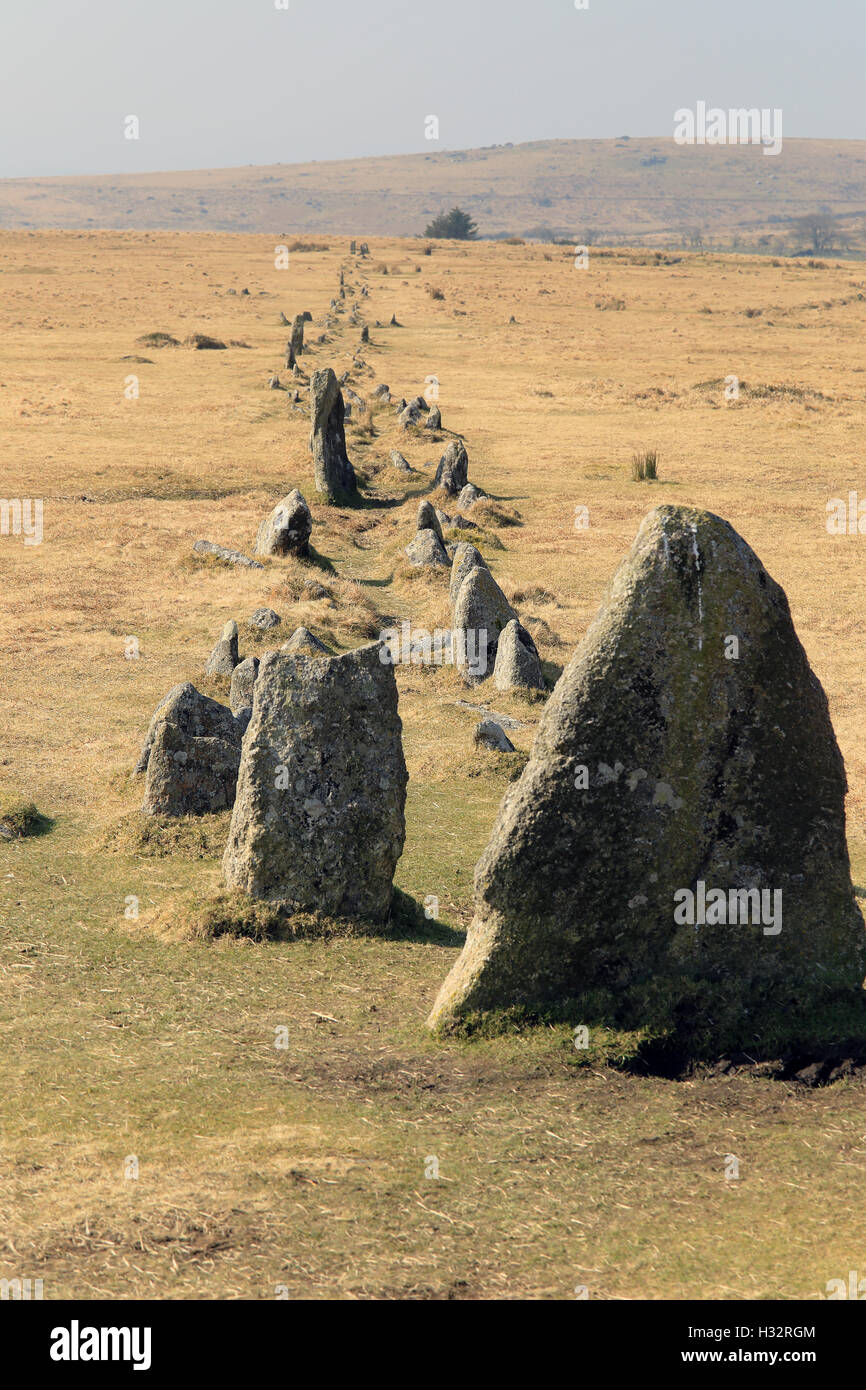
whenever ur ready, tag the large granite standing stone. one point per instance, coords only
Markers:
(466, 559)
(335, 476)
(518, 665)
(191, 755)
(481, 613)
(452, 473)
(297, 339)
(686, 748)
(287, 530)
(318, 822)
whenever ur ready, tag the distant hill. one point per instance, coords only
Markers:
(640, 191)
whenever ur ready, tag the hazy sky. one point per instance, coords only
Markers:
(228, 82)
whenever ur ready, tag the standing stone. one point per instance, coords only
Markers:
(243, 680)
(191, 755)
(365, 334)
(335, 476)
(224, 657)
(685, 768)
(352, 248)
(290, 355)
(434, 419)
(302, 640)
(399, 462)
(297, 339)
(453, 469)
(410, 416)
(427, 548)
(481, 613)
(318, 822)
(518, 666)
(466, 559)
(287, 530)
(428, 516)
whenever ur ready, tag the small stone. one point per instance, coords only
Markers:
(264, 618)
(302, 640)
(489, 734)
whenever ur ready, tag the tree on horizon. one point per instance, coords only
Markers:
(456, 225)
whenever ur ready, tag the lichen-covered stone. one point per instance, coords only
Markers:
(687, 747)
(428, 517)
(224, 657)
(426, 548)
(491, 735)
(243, 680)
(466, 558)
(302, 640)
(335, 476)
(318, 821)
(453, 468)
(191, 755)
(287, 530)
(481, 613)
(518, 665)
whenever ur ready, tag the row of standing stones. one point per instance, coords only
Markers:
(660, 764)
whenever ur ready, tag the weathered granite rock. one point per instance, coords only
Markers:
(489, 734)
(335, 476)
(318, 821)
(229, 557)
(469, 494)
(224, 657)
(302, 640)
(192, 758)
(434, 419)
(426, 548)
(518, 665)
(466, 558)
(481, 613)
(453, 468)
(398, 461)
(428, 516)
(409, 416)
(297, 338)
(264, 618)
(685, 769)
(243, 680)
(287, 530)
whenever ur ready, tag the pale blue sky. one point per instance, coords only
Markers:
(217, 83)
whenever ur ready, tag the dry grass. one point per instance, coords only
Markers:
(306, 1167)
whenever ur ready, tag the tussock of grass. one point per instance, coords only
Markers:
(161, 837)
(157, 340)
(237, 916)
(20, 818)
(486, 512)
